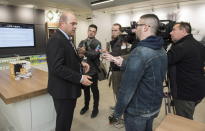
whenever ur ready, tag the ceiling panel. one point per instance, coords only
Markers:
(76, 3)
(77, 6)
(115, 3)
(148, 4)
(83, 7)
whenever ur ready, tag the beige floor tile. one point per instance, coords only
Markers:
(100, 123)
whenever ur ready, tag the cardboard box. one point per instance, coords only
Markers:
(177, 123)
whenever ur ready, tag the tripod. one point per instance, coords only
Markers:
(168, 98)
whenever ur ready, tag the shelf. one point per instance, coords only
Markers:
(51, 28)
(34, 59)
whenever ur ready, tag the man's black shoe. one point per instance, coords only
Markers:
(94, 113)
(83, 110)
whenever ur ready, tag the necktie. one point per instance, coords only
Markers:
(74, 47)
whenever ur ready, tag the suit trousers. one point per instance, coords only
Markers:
(95, 91)
(64, 110)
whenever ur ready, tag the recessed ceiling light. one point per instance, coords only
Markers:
(98, 2)
(29, 6)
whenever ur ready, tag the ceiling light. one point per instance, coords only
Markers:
(98, 2)
(29, 6)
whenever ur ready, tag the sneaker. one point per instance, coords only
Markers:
(83, 110)
(112, 108)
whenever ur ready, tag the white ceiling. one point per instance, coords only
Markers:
(115, 3)
(83, 7)
(150, 4)
(78, 6)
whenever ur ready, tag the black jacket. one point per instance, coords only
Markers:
(187, 58)
(92, 54)
(63, 68)
(117, 51)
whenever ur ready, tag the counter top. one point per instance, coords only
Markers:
(12, 90)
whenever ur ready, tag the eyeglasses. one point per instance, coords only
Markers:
(141, 25)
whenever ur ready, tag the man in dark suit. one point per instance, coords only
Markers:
(64, 69)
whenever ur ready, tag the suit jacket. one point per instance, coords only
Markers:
(64, 73)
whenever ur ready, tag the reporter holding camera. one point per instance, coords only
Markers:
(89, 49)
(141, 89)
(118, 48)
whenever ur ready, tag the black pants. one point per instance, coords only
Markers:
(185, 108)
(64, 110)
(95, 91)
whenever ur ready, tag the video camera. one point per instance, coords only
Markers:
(128, 35)
(164, 31)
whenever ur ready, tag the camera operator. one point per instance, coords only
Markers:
(118, 48)
(186, 62)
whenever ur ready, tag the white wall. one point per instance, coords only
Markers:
(103, 21)
(82, 28)
(194, 13)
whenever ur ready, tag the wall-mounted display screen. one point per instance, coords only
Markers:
(16, 35)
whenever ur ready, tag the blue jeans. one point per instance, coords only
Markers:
(138, 123)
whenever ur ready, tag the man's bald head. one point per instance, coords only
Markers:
(65, 16)
(68, 22)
